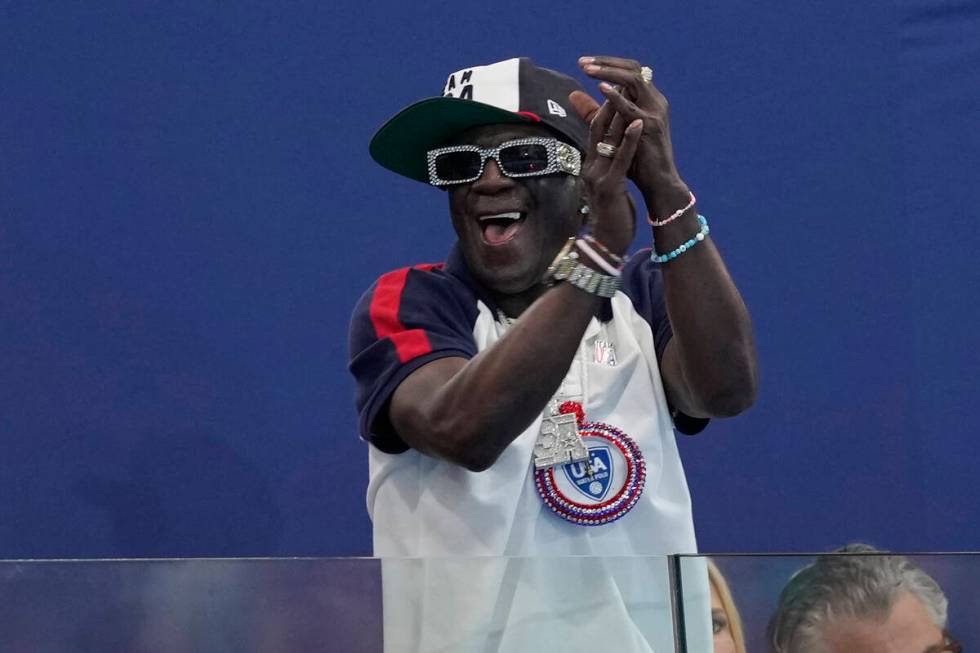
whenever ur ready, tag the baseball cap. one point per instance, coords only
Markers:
(514, 91)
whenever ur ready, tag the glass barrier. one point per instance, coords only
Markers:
(688, 604)
(862, 600)
(483, 605)
(191, 605)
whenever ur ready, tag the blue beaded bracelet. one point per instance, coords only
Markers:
(663, 258)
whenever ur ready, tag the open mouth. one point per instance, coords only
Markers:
(500, 228)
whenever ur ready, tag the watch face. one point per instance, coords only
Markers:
(563, 262)
(568, 265)
(573, 273)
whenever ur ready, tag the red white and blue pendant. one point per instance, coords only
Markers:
(600, 489)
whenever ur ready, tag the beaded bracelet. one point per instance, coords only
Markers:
(700, 236)
(673, 216)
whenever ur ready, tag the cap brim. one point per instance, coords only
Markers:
(402, 143)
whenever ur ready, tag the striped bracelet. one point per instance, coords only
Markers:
(615, 258)
(700, 236)
(598, 260)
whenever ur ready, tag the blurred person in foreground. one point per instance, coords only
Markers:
(861, 600)
(726, 623)
(520, 399)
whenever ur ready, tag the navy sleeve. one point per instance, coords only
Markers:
(643, 283)
(408, 318)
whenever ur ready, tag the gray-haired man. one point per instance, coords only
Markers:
(864, 601)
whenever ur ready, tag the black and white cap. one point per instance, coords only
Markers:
(514, 91)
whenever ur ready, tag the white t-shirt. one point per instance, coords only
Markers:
(464, 596)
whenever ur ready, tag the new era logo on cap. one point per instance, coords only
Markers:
(556, 109)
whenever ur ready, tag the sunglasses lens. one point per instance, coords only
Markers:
(458, 166)
(524, 159)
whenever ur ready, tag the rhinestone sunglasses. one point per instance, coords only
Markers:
(522, 157)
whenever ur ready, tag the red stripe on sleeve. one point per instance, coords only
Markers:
(385, 304)
(411, 344)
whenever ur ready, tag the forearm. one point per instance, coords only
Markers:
(470, 418)
(709, 366)
(712, 330)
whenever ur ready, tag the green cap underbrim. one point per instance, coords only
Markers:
(401, 144)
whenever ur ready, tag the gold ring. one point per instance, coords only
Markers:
(605, 149)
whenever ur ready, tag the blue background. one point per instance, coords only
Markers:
(188, 214)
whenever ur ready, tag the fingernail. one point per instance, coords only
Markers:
(636, 124)
(592, 68)
(605, 87)
(585, 60)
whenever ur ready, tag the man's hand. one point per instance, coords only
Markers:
(613, 218)
(709, 365)
(629, 97)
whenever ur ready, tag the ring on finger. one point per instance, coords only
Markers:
(646, 72)
(605, 149)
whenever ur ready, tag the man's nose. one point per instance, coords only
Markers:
(492, 180)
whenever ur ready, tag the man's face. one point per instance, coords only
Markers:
(907, 629)
(511, 257)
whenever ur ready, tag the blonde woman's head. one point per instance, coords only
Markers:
(725, 620)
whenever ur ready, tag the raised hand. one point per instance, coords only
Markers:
(631, 97)
(612, 148)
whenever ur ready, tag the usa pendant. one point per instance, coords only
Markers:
(600, 489)
(558, 442)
